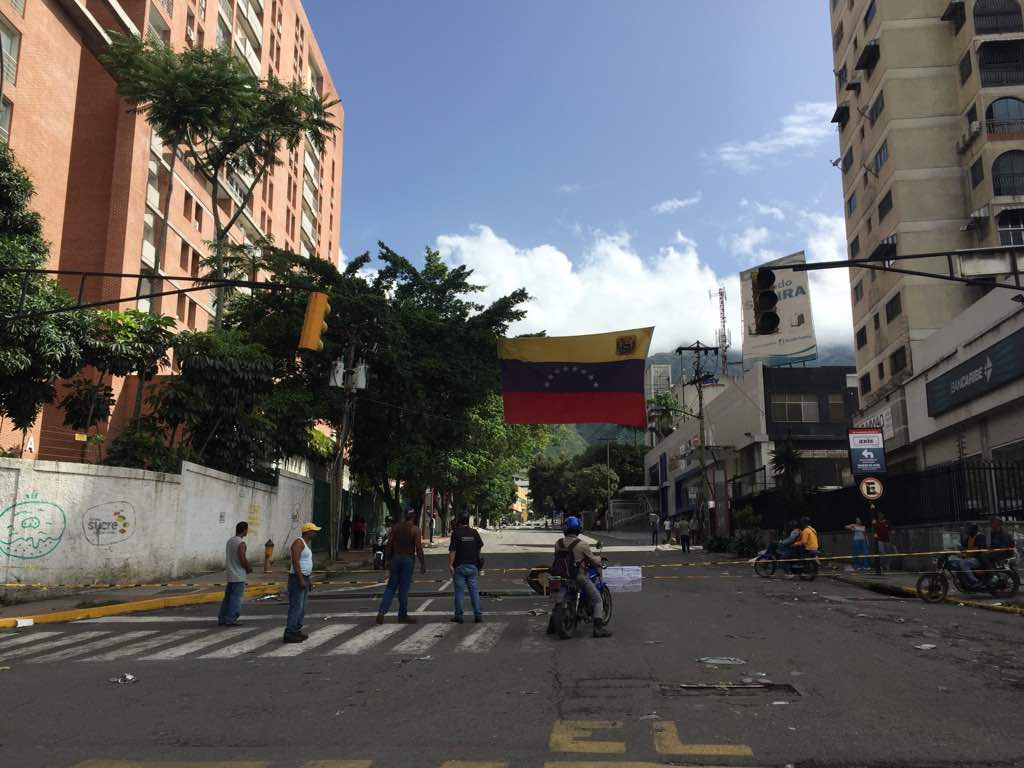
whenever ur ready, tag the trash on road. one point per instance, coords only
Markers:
(652, 716)
(925, 647)
(536, 612)
(5, 669)
(720, 661)
(779, 703)
(267, 597)
(125, 678)
(24, 622)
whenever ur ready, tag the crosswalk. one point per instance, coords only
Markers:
(347, 638)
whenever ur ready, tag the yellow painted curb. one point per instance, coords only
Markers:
(1011, 609)
(136, 606)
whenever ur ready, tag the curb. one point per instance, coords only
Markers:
(135, 606)
(895, 589)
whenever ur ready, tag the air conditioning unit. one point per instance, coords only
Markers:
(975, 129)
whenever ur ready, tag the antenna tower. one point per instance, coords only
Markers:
(722, 333)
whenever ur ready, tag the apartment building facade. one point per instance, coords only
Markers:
(930, 114)
(102, 174)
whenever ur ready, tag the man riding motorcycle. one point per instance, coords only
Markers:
(806, 544)
(970, 540)
(572, 546)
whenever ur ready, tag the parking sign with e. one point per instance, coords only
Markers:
(871, 488)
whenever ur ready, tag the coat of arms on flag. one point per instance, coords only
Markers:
(575, 379)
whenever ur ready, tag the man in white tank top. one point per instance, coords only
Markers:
(299, 577)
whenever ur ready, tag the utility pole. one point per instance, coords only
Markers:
(700, 352)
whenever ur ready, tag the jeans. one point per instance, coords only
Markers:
(885, 548)
(860, 552)
(297, 599)
(966, 566)
(400, 580)
(231, 605)
(654, 537)
(685, 539)
(466, 574)
(586, 586)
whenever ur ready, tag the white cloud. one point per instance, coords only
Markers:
(675, 204)
(804, 128)
(682, 239)
(765, 210)
(830, 288)
(569, 188)
(747, 242)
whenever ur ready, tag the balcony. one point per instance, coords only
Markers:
(994, 17)
(309, 196)
(309, 228)
(1001, 63)
(10, 67)
(19, 6)
(250, 20)
(995, 76)
(1005, 128)
(168, 6)
(311, 166)
(1007, 184)
(247, 52)
(224, 9)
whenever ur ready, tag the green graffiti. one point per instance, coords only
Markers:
(31, 528)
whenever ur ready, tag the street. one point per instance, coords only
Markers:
(831, 677)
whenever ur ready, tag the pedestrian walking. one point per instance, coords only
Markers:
(404, 543)
(464, 565)
(359, 532)
(300, 581)
(883, 541)
(652, 520)
(346, 531)
(860, 545)
(667, 527)
(684, 534)
(694, 530)
(236, 567)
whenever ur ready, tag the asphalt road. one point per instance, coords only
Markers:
(832, 677)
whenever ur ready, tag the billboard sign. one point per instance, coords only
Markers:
(778, 328)
(1000, 364)
(867, 451)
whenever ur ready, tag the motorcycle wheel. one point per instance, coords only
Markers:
(606, 603)
(808, 570)
(933, 587)
(1004, 584)
(565, 621)
(765, 567)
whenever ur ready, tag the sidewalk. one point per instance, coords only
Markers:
(905, 585)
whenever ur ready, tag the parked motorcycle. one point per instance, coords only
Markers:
(767, 561)
(1001, 581)
(575, 608)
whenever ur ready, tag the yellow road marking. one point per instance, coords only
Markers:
(149, 764)
(472, 764)
(573, 735)
(339, 764)
(666, 742)
(621, 764)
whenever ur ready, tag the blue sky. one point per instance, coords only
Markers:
(618, 159)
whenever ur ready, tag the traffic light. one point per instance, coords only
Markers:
(766, 319)
(315, 324)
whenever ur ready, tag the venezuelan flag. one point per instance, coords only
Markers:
(575, 379)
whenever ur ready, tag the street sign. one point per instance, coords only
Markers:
(871, 488)
(867, 451)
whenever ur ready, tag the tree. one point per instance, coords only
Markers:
(786, 464)
(564, 442)
(228, 123)
(36, 348)
(549, 487)
(592, 487)
(626, 460)
(663, 411)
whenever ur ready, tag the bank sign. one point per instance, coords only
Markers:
(1000, 364)
(867, 451)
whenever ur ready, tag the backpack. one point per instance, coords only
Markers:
(564, 566)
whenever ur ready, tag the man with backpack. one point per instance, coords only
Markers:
(570, 553)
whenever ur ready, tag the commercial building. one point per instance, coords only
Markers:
(102, 175)
(743, 425)
(657, 379)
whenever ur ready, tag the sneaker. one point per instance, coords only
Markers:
(406, 619)
(600, 631)
(380, 618)
(478, 619)
(456, 619)
(303, 635)
(294, 638)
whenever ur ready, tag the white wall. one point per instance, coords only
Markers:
(80, 523)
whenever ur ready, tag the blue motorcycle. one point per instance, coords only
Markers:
(575, 607)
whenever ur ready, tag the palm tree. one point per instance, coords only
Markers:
(786, 464)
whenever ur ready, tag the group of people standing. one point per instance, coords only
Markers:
(881, 532)
(684, 530)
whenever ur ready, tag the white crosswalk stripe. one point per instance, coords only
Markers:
(51, 645)
(11, 642)
(84, 648)
(244, 646)
(483, 638)
(135, 649)
(316, 638)
(368, 639)
(424, 638)
(210, 638)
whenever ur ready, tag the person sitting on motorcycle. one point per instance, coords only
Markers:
(1001, 542)
(582, 554)
(783, 549)
(969, 540)
(806, 544)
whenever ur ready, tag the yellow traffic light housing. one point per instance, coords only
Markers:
(315, 323)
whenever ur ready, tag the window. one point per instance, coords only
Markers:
(192, 315)
(886, 205)
(841, 77)
(837, 38)
(966, 67)
(877, 319)
(881, 372)
(19, 6)
(1005, 116)
(11, 39)
(862, 338)
(865, 383)
(1001, 62)
(187, 208)
(848, 160)
(893, 308)
(5, 121)
(836, 408)
(1011, 228)
(183, 257)
(880, 157)
(855, 248)
(147, 286)
(977, 173)
(1008, 173)
(869, 222)
(898, 360)
(199, 219)
(795, 408)
(181, 306)
(997, 16)
(851, 204)
(877, 108)
(870, 15)
(858, 292)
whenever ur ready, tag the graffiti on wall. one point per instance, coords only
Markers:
(31, 528)
(109, 523)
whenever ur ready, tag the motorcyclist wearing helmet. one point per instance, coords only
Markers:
(581, 553)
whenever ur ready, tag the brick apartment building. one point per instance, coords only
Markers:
(101, 173)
